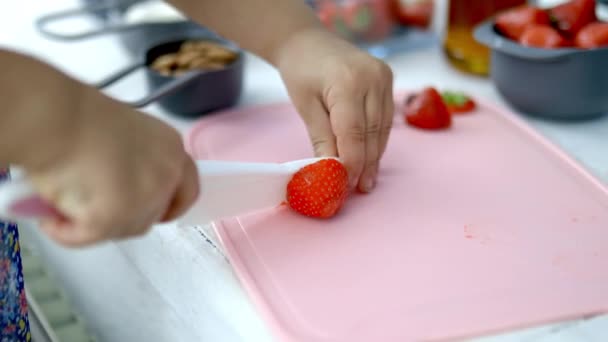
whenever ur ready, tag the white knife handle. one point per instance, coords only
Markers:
(19, 200)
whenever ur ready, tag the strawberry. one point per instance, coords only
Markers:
(572, 16)
(513, 22)
(541, 36)
(593, 35)
(360, 16)
(412, 12)
(318, 190)
(329, 14)
(427, 110)
(458, 102)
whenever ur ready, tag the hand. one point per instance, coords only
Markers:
(114, 174)
(345, 97)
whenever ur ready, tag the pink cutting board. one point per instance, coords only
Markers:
(479, 229)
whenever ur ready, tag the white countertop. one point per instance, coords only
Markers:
(171, 285)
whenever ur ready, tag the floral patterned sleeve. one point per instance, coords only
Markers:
(14, 324)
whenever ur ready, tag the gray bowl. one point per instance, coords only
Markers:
(562, 83)
(193, 94)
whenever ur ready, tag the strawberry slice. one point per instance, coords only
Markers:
(593, 35)
(572, 16)
(513, 22)
(427, 110)
(318, 190)
(542, 36)
(458, 102)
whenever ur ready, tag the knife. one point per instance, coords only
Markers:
(227, 189)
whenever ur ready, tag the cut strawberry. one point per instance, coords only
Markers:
(572, 16)
(427, 110)
(542, 36)
(458, 102)
(318, 190)
(593, 35)
(412, 12)
(513, 22)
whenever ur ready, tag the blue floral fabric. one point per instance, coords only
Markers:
(14, 323)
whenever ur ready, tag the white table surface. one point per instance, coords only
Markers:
(171, 285)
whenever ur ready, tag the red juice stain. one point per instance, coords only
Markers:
(574, 219)
(467, 232)
(558, 260)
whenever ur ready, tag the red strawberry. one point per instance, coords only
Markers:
(542, 36)
(427, 110)
(329, 14)
(513, 22)
(415, 13)
(593, 35)
(360, 16)
(572, 16)
(319, 189)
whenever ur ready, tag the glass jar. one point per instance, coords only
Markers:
(460, 47)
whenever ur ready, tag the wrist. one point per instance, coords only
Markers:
(39, 109)
(293, 39)
(299, 42)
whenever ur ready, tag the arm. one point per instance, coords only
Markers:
(37, 104)
(110, 170)
(260, 26)
(344, 96)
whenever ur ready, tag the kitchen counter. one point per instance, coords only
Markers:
(172, 284)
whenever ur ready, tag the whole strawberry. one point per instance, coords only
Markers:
(318, 190)
(427, 110)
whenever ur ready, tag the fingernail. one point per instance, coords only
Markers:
(369, 184)
(34, 207)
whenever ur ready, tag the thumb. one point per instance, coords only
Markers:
(186, 193)
(319, 130)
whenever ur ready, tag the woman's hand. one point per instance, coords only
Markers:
(343, 94)
(345, 97)
(113, 174)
